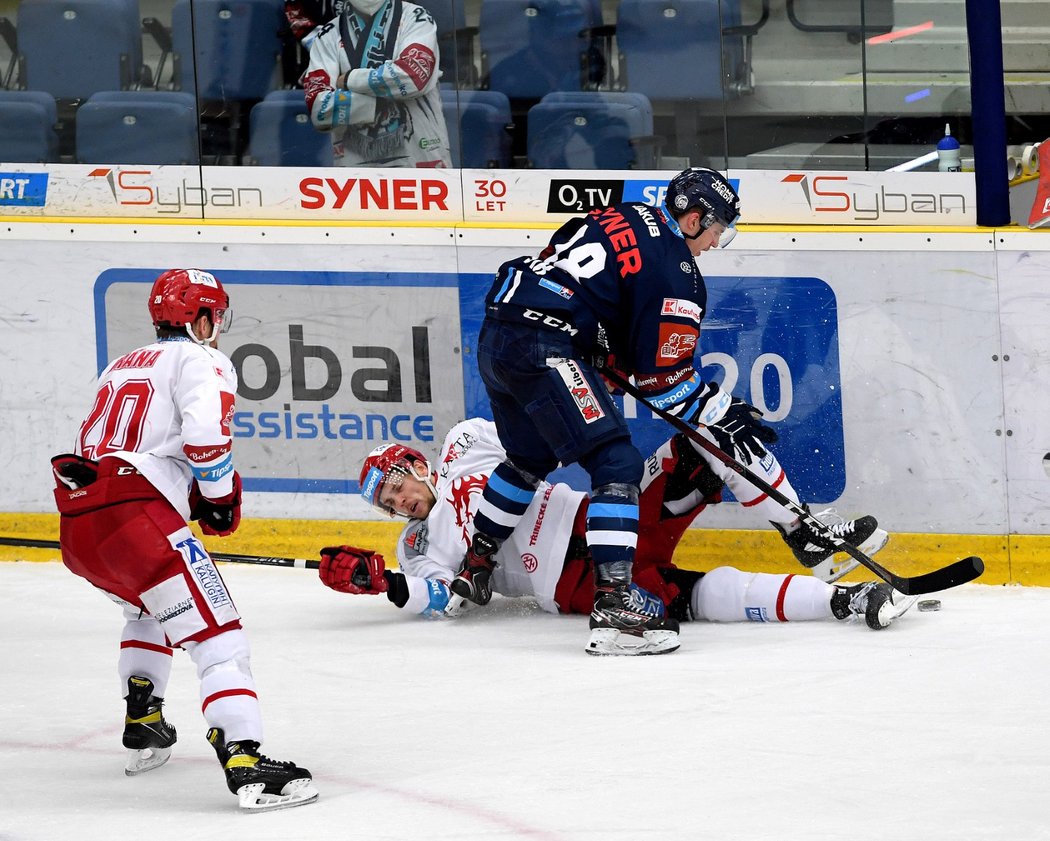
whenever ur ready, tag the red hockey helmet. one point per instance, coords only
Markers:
(386, 467)
(179, 295)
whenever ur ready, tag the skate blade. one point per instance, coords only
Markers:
(894, 609)
(253, 798)
(456, 606)
(608, 642)
(832, 568)
(141, 761)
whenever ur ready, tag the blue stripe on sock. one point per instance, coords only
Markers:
(505, 489)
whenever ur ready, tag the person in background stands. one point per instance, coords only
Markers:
(372, 82)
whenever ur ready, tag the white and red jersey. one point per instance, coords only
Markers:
(166, 408)
(401, 92)
(431, 551)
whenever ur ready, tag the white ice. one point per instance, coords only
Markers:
(500, 727)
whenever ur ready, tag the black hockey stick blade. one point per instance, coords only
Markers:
(955, 573)
(261, 560)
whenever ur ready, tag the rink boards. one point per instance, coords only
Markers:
(905, 372)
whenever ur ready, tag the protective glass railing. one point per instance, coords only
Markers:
(562, 84)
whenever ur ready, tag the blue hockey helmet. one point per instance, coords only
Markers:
(710, 192)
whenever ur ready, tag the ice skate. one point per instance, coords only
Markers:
(619, 628)
(818, 553)
(259, 782)
(473, 581)
(878, 603)
(147, 736)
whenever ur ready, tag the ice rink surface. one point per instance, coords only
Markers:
(500, 727)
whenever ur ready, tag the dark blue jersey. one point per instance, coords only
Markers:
(620, 280)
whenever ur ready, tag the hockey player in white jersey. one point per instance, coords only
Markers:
(546, 556)
(373, 84)
(153, 453)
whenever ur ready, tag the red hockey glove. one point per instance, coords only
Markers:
(351, 570)
(219, 517)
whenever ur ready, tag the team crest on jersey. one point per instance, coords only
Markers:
(461, 491)
(675, 343)
(530, 562)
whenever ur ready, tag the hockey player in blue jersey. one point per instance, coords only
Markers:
(619, 284)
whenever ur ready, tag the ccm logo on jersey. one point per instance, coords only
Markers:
(675, 343)
(550, 321)
(581, 391)
(684, 309)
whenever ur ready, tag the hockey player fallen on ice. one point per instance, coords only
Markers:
(153, 453)
(546, 556)
(620, 282)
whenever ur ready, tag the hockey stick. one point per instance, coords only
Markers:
(261, 560)
(955, 573)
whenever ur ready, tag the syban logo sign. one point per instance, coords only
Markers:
(328, 371)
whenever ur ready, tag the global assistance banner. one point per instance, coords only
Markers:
(444, 197)
(318, 390)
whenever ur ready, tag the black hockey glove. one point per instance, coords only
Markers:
(219, 517)
(740, 434)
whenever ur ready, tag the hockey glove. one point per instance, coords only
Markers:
(352, 570)
(739, 433)
(219, 517)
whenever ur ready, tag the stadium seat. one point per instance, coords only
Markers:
(27, 127)
(281, 133)
(74, 48)
(233, 43)
(591, 130)
(532, 47)
(138, 127)
(479, 125)
(672, 49)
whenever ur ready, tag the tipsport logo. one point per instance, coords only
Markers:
(23, 189)
(840, 194)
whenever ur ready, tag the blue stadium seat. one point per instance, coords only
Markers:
(281, 133)
(27, 127)
(671, 49)
(235, 44)
(591, 130)
(478, 128)
(532, 47)
(73, 48)
(138, 127)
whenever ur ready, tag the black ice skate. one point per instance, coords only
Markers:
(473, 581)
(147, 736)
(878, 603)
(258, 781)
(817, 552)
(619, 628)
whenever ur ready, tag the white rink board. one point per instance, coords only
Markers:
(920, 339)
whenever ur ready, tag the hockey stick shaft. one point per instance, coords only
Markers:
(955, 573)
(261, 560)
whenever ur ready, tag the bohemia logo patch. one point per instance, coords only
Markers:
(675, 343)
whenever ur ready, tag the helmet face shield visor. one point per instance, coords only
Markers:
(222, 319)
(725, 231)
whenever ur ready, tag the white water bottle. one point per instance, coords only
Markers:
(949, 157)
